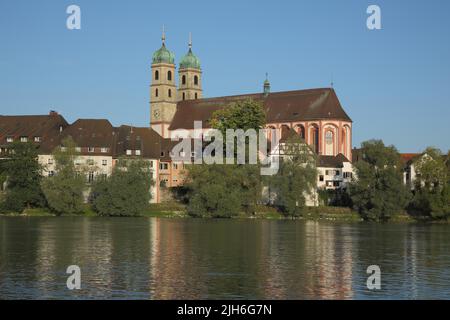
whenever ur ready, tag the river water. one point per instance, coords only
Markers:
(152, 258)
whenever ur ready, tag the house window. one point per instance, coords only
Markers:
(183, 79)
(175, 166)
(50, 161)
(90, 162)
(129, 152)
(138, 152)
(104, 162)
(77, 149)
(9, 139)
(347, 175)
(90, 177)
(163, 166)
(104, 150)
(23, 139)
(162, 153)
(196, 80)
(169, 75)
(156, 75)
(336, 183)
(37, 139)
(321, 178)
(77, 162)
(91, 149)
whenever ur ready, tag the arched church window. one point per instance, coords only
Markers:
(329, 137)
(156, 75)
(301, 131)
(196, 80)
(170, 93)
(329, 143)
(169, 75)
(315, 138)
(156, 92)
(183, 79)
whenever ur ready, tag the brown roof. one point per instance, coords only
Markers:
(47, 127)
(144, 139)
(406, 157)
(96, 133)
(331, 161)
(287, 106)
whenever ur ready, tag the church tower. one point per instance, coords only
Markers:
(163, 90)
(189, 76)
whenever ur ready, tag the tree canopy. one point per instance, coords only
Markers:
(126, 192)
(378, 192)
(23, 174)
(64, 190)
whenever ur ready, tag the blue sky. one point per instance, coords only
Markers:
(394, 83)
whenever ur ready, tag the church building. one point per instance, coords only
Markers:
(315, 114)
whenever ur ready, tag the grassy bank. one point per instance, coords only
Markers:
(177, 210)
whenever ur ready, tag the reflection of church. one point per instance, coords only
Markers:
(314, 114)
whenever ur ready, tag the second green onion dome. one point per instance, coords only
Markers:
(190, 60)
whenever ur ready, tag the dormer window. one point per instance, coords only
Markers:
(91, 149)
(104, 150)
(9, 139)
(129, 152)
(138, 152)
(37, 139)
(23, 139)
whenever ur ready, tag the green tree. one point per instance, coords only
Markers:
(64, 190)
(23, 173)
(296, 178)
(378, 192)
(126, 192)
(431, 185)
(247, 114)
(226, 190)
(214, 191)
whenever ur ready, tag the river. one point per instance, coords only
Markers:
(152, 258)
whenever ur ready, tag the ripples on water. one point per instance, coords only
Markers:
(149, 258)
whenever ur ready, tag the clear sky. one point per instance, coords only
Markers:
(394, 83)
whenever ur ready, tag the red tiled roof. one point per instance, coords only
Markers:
(287, 106)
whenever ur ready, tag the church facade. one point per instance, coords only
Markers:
(314, 114)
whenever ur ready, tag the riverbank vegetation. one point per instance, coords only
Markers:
(377, 192)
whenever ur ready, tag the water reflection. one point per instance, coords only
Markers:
(144, 258)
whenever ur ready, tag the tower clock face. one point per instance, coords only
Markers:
(156, 114)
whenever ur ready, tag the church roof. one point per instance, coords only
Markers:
(287, 106)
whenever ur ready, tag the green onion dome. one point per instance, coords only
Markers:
(162, 55)
(190, 60)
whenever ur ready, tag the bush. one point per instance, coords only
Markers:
(126, 192)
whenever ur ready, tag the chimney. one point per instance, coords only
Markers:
(53, 113)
